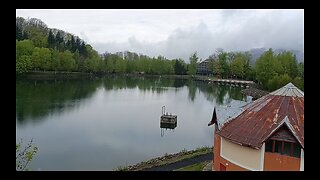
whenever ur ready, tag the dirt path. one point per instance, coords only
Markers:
(182, 163)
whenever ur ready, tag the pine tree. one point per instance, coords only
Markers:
(59, 38)
(25, 35)
(82, 49)
(18, 33)
(59, 42)
(77, 44)
(51, 40)
(73, 44)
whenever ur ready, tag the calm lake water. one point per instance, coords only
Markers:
(103, 123)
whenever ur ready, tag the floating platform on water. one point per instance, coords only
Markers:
(168, 119)
(168, 125)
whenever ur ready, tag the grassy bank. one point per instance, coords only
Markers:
(166, 159)
(194, 167)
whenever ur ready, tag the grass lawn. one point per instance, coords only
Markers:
(194, 167)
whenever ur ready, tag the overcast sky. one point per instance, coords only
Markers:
(178, 33)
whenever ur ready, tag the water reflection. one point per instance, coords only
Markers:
(166, 126)
(36, 99)
(99, 124)
(221, 94)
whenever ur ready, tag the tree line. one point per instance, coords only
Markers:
(39, 48)
(271, 70)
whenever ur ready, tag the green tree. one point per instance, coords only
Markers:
(37, 36)
(278, 81)
(265, 69)
(288, 63)
(59, 41)
(24, 47)
(222, 58)
(77, 45)
(237, 66)
(109, 64)
(24, 35)
(83, 50)
(24, 50)
(283, 80)
(23, 64)
(91, 64)
(216, 68)
(55, 63)
(41, 58)
(301, 70)
(20, 22)
(19, 34)
(180, 67)
(67, 62)
(248, 69)
(192, 69)
(73, 44)
(299, 82)
(51, 40)
(59, 38)
(119, 65)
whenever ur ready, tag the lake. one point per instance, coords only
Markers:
(104, 123)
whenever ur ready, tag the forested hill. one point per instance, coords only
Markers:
(41, 48)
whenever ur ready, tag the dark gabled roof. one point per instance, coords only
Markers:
(223, 114)
(261, 118)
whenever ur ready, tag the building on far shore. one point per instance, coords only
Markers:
(264, 135)
(203, 67)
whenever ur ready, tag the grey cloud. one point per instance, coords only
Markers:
(236, 31)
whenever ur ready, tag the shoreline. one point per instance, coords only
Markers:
(65, 74)
(166, 159)
(251, 90)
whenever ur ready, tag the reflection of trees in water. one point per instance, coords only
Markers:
(220, 93)
(154, 84)
(179, 83)
(38, 98)
(192, 89)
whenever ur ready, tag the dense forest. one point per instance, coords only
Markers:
(39, 48)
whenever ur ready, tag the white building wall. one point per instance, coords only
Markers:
(246, 157)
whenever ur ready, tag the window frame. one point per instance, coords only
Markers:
(280, 148)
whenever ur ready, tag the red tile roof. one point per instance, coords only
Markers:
(261, 118)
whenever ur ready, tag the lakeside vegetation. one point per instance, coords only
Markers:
(39, 48)
(24, 155)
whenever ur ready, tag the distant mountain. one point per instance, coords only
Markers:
(257, 52)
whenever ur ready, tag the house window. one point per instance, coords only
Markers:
(269, 145)
(286, 148)
(278, 147)
(282, 147)
(296, 150)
